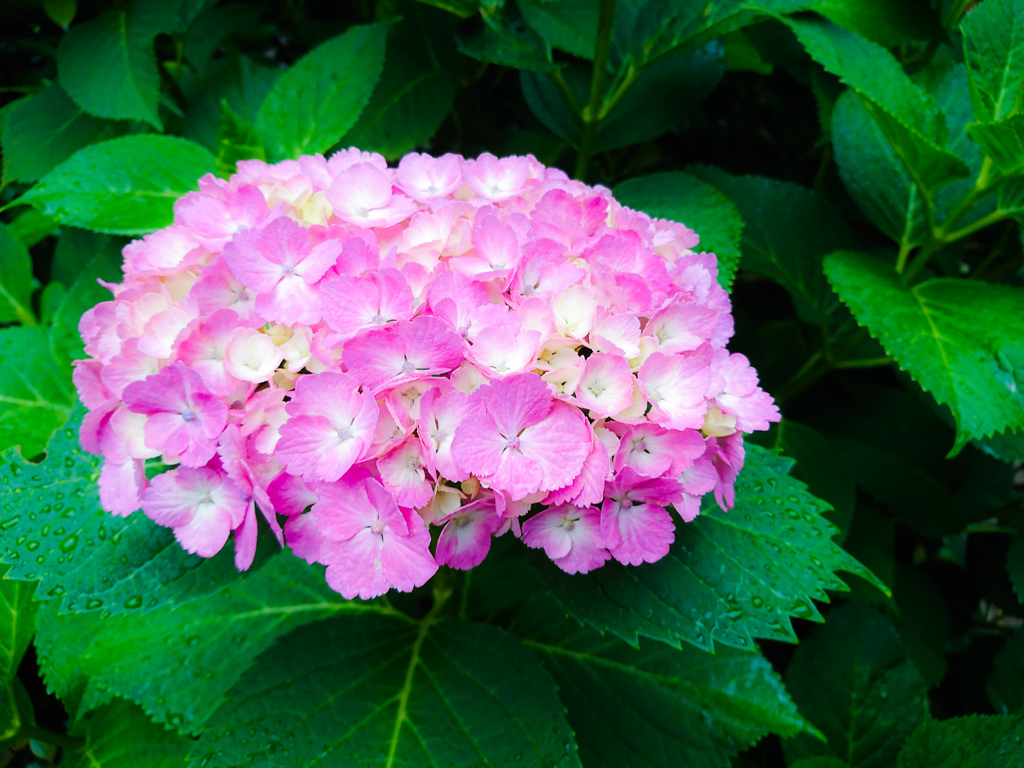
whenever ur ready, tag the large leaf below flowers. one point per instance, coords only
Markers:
(387, 690)
(961, 340)
(53, 530)
(655, 706)
(119, 735)
(729, 578)
(178, 661)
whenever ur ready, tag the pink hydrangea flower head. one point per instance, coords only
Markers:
(359, 353)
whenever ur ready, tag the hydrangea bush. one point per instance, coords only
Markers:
(448, 343)
(386, 384)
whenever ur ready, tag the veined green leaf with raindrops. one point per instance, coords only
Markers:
(730, 577)
(53, 530)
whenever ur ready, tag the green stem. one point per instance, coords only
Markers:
(592, 112)
(813, 369)
(956, 10)
(901, 258)
(869, 362)
(984, 221)
(564, 91)
(941, 235)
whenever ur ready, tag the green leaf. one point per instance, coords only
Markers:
(568, 25)
(44, 131)
(908, 117)
(15, 280)
(504, 38)
(1003, 686)
(874, 175)
(887, 23)
(17, 623)
(124, 186)
(81, 259)
(818, 464)
(787, 231)
(976, 741)
(177, 662)
(721, 581)
(31, 226)
(37, 396)
(1003, 141)
(961, 340)
(1015, 560)
(416, 89)
(385, 689)
(648, 31)
(211, 26)
(236, 140)
(994, 53)
(665, 94)
(53, 530)
(108, 66)
(239, 80)
(655, 706)
(119, 735)
(853, 682)
(321, 96)
(680, 197)
(946, 82)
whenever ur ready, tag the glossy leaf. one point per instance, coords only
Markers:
(416, 88)
(976, 741)
(962, 341)
(240, 81)
(887, 23)
(852, 680)
(721, 581)
(568, 25)
(787, 231)
(909, 118)
(17, 623)
(37, 396)
(321, 96)
(119, 735)
(653, 705)
(108, 66)
(53, 531)
(684, 198)
(178, 662)
(236, 140)
(819, 464)
(15, 280)
(81, 260)
(124, 186)
(376, 689)
(994, 53)
(1003, 141)
(44, 131)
